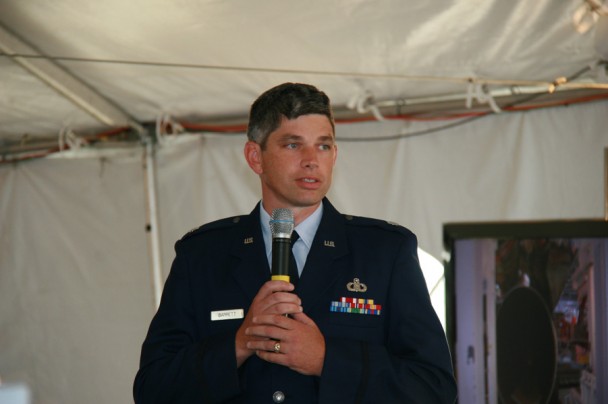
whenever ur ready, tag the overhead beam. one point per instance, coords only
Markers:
(58, 78)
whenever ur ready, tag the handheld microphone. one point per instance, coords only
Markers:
(282, 224)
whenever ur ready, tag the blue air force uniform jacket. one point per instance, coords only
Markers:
(384, 343)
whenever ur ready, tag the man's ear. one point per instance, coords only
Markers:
(335, 153)
(253, 155)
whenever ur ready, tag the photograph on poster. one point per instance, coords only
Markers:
(526, 314)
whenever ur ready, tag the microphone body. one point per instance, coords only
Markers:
(281, 226)
(280, 259)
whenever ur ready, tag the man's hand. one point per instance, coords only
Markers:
(301, 344)
(273, 298)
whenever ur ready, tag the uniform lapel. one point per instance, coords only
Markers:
(250, 267)
(321, 270)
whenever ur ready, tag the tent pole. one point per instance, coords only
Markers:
(152, 228)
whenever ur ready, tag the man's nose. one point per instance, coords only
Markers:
(309, 157)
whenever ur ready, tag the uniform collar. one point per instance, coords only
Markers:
(306, 229)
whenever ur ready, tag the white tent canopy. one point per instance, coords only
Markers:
(121, 62)
(76, 288)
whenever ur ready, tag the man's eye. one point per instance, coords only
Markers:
(325, 147)
(291, 146)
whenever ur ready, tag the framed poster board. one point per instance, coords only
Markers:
(527, 310)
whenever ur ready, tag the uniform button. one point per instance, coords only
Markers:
(278, 397)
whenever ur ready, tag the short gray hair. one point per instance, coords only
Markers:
(287, 100)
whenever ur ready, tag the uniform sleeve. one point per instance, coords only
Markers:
(413, 365)
(177, 365)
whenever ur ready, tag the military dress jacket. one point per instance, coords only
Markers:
(361, 284)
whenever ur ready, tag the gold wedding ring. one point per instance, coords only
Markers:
(277, 347)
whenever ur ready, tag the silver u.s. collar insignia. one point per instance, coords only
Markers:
(356, 286)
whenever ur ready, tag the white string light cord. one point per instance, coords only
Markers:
(364, 103)
(478, 91)
(68, 138)
(482, 95)
(166, 126)
(327, 73)
(587, 15)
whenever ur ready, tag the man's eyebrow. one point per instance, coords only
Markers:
(290, 136)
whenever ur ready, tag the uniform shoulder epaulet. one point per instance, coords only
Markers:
(383, 224)
(215, 225)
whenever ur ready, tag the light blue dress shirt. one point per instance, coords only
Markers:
(307, 230)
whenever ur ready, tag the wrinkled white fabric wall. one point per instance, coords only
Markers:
(545, 164)
(75, 285)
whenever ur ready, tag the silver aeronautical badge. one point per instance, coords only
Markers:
(356, 286)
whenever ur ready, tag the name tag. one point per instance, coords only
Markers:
(233, 314)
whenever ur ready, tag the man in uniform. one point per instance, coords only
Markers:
(358, 327)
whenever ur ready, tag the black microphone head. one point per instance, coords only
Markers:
(282, 223)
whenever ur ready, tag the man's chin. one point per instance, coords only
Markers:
(307, 202)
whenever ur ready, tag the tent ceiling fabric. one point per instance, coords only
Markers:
(208, 60)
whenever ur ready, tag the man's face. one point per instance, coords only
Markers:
(296, 166)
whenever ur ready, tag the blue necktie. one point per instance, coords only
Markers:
(293, 267)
